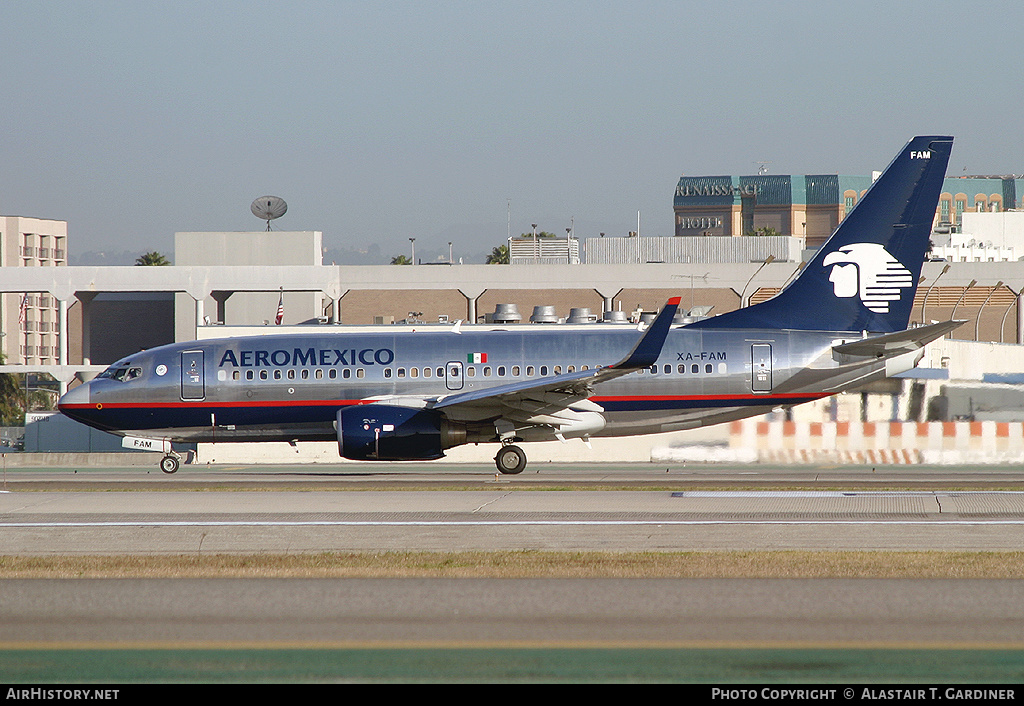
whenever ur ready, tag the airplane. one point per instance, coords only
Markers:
(401, 395)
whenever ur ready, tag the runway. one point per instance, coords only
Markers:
(614, 509)
(558, 507)
(506, 518)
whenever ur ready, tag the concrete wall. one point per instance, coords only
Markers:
(255, 248)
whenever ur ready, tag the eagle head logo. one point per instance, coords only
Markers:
(868, 270)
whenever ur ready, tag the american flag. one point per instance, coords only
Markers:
(23, 311)
(280, 310)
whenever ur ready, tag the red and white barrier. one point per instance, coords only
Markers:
(880, 442)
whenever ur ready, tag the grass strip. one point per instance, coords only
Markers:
(528, 564)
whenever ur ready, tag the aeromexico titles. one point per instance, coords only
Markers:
(396, 394)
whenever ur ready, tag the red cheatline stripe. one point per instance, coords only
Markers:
(345, 403)
(239, 403)
(629, 398)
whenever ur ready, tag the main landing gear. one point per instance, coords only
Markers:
(510, 460)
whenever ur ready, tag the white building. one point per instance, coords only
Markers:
(985, 236)
(247, 248)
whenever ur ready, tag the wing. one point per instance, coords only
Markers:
(555, 401)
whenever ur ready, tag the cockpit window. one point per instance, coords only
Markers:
(121, 373)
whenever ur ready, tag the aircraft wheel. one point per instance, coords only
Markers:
(510, 460)
(169, 464)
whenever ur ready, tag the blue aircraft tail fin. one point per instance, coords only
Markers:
(864, 277)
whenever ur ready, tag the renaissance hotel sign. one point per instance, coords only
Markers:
(697, 189)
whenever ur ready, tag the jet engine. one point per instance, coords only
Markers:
(377, 432)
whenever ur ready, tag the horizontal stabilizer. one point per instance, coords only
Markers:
(899, 342)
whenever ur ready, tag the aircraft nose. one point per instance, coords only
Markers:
(73, 399)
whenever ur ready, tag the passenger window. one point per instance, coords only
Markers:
(471, 371)
(263, 375)
(426, 372)
(291, 374)
(694, 368)
(708, 368)
(277, 375)
(654, 370)
(440, 372)
(249, 375)
(305, 375)
(387, 372)
(543, 371)
(515, 371)
(681, 369)
(487, 371)
(332, 373)
(501, 371)
(360, 373)
(319, 374)
(401, 372)
(668, 368)
(346, 373)
(414, 372)
(529, 371)
(236, 375)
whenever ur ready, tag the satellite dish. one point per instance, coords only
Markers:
(267, 208)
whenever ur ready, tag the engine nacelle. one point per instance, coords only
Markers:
(377, 432)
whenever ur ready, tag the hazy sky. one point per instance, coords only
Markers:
(381, 121)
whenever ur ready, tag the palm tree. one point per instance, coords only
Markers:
(400, 260)
(12, 400)
(498, 256)
(151, 259)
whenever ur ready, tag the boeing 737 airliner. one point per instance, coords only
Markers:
(409, 395)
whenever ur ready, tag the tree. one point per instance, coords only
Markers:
(540, 234)
(400, 260)
(12, 400)
(151, 259)
(498, 256)
(763, 230)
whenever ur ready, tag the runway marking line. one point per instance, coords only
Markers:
(498, 523)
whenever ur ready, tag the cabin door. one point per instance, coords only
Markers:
(761, 367)
(193, 382)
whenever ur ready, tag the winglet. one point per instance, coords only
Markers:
(648, 348)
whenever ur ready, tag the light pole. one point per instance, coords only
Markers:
(924, 302)
(977, 321)
(1003, 322)
(450, 253)
(952, 315)
(413, 242)
(534, 243)
(743, 294)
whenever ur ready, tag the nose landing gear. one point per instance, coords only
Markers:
(169, 463)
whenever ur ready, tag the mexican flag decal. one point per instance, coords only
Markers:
(476, 358)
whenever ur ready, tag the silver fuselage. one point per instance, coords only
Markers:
(289, 387)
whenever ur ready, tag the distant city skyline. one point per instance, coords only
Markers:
(463, 122)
